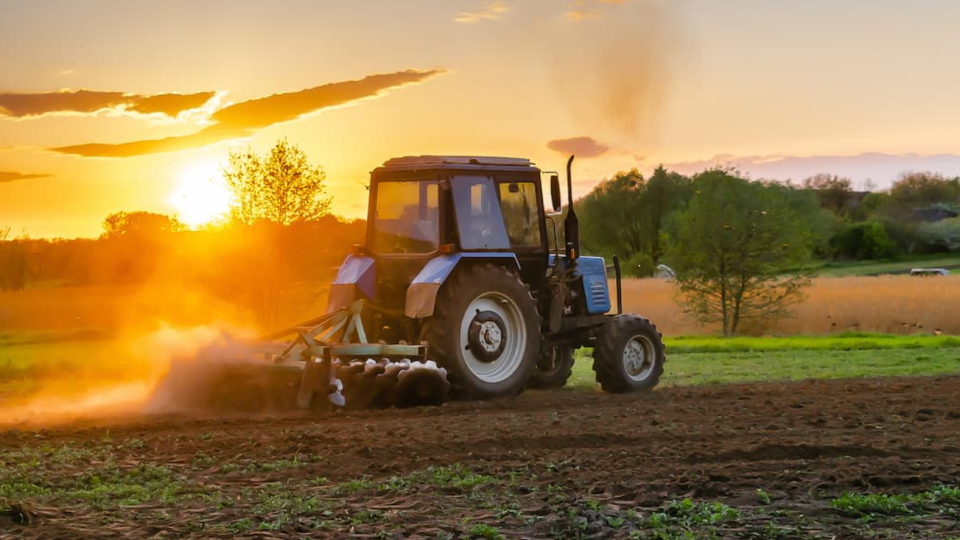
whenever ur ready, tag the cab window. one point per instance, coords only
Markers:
(479, 223)
(407, 217)
(518, 203)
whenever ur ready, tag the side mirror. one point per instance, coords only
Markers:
(555, 197)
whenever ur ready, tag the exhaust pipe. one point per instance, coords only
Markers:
(571, 225)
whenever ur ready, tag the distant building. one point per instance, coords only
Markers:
(933, 214)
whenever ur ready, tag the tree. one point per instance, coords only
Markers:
(139, 224)
(733, 246)
(625, 215)
(864, 240)
(664, 193)
(281, 187)
(944, 233)
(610, 216)
(14, 261)
(924, 188)
(833, 191)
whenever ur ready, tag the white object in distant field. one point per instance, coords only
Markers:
(929, 272)
(664, 272)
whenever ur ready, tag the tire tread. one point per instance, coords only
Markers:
(607, 354)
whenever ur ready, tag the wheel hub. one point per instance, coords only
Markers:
(486, 337)
(638, 358)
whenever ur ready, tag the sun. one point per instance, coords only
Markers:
(201, 196)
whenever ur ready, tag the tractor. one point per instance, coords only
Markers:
(464, 287)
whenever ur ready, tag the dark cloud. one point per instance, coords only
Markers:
(170, 104)
(13, 176)
(242, 119)
(583, 147)
(91, 101)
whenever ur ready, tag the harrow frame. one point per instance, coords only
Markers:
(317, 342)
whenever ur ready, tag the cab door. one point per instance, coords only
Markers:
(522, 208)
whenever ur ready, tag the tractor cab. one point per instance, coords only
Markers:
(469, 206)
(428, 205)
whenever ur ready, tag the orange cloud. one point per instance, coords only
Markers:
(491, 11)
(582, 147)
(588, 9)
(91, 101)
(13, 176)
(244, 118)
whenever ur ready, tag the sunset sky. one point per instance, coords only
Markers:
(118, 105)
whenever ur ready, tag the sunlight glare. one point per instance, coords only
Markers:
(201, 196)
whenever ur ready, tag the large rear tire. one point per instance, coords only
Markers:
(629, 355)
(554, 368)
(485, 331)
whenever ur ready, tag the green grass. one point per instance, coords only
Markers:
(849, 341)
(861, 268)
(780, 365)
(691, 360)
(24, 360)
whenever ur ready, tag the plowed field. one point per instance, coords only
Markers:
(796, 460)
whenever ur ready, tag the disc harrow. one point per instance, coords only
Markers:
(327, 357)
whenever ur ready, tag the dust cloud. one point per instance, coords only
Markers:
(116, 378)
(614, 71)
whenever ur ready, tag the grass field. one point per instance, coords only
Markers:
(710, 360)
(765, 365)
(867, 268)
(691, 360)
(882, 304)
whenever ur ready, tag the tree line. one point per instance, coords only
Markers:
(279, 233)
(744, 249)
(741, 249)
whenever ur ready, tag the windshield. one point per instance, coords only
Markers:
(406, 218)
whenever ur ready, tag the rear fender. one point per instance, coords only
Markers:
(355, 279)
(422, 292)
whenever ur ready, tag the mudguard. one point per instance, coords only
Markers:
(422, 292)
(355, 275)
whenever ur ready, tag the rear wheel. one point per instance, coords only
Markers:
(485, 331)
(553, 368)
(629, 355)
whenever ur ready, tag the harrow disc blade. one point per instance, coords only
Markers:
(423, 383)
(359, 388)
(385, 383)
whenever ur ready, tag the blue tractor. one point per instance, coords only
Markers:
(462, 256)
(462, 288)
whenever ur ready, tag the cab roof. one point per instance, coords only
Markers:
(485, 163)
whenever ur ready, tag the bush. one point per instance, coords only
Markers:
(639, 265)
(944, 234)
(864, 240)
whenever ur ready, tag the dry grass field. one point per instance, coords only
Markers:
(886, 304)
(112, 309)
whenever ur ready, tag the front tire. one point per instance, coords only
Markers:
(485, 331)
(629, 355)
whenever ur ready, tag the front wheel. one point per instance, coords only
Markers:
(629, 355)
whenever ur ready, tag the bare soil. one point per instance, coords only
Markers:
(559, 464)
